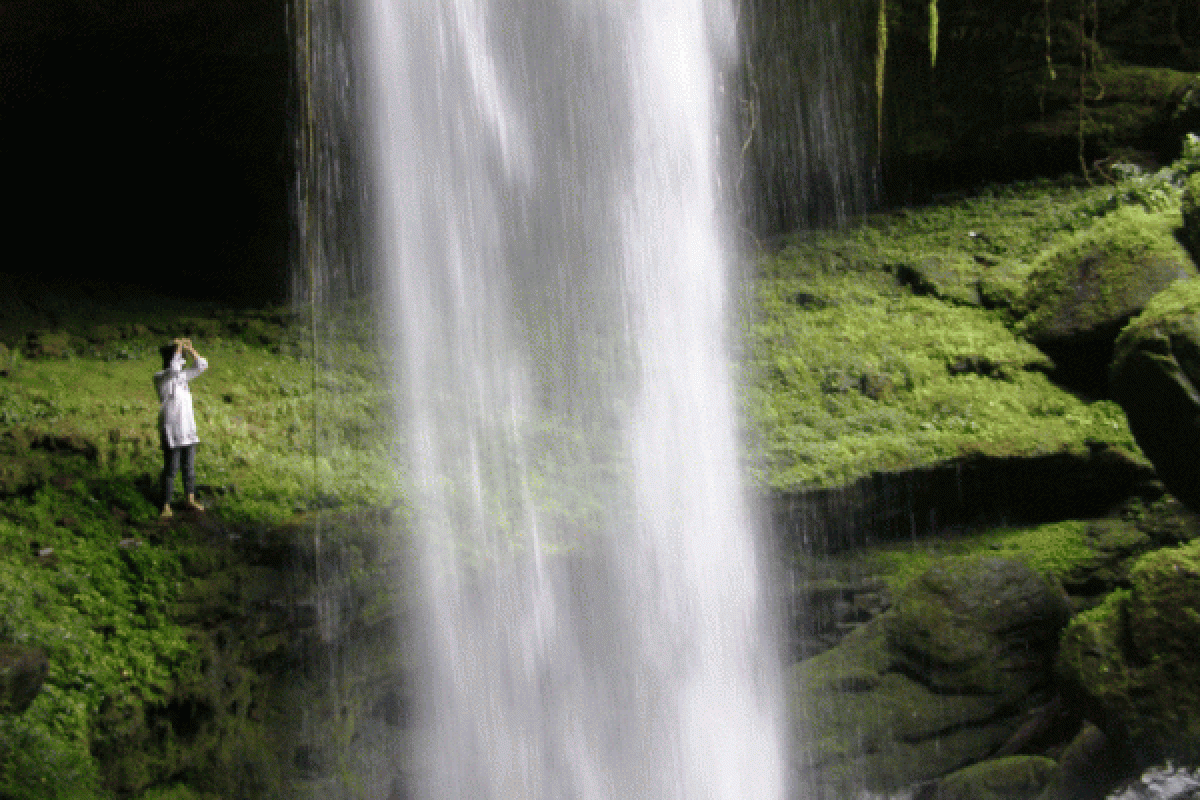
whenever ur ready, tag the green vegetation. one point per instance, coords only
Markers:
(91, 577)
(893, 343)
(1053, 550)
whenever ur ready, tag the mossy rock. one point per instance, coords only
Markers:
(48, 344)
(1155, 377)
(860, 725)
(1129, 665)
(1113, 546)
(1011, 778)
(981, 625)
(953, 278)
(937, 683)
(1098, 279)
(1191, 211)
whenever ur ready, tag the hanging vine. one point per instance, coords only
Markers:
(933, 33)
(1088, 50)
(881, 43)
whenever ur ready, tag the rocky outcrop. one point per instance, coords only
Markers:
(294, 678)
(1083, 292)
(948, 677)
(1155, 377)
(1130, 664)
(897, 505)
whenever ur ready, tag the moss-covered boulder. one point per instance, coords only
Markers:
(978, 626)
(1130, 664)
(1113, 544)
(1191, 211)
(1008, 778)
(942, 681)
(1155, 377)
(1082, 292)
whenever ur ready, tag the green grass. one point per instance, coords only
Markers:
(86, 572)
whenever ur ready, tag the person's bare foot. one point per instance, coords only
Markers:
(167, 513)
(192, 505)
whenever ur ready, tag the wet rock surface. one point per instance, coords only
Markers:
(932, 689)
(1130, 666)
(1083, 292)
(1155, 374)
(295, 678)
(900, 505)
(942, 680)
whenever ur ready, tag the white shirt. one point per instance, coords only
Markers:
(175, 417)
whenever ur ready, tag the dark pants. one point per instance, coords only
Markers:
(172, 456)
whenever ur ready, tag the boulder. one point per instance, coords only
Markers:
(1088, 767)
(1129, 665)
(983, 626)
(22, 670)
(1191, 211)
(1081, 293)
(941, 681)
(1009, 778)
(1155, 375)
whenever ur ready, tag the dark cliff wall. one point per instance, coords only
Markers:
(148, 141)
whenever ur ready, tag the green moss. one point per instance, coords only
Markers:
(1130, 662)
(1105, 274)
(861, 725)
(852, 372)
(1008, 778)
(138, 693)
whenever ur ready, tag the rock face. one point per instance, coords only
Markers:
(1130, 664)
(294, 684)
(1154, 376)
(1083, 292)
(1000, 100)
(982, 627)
(943, 680)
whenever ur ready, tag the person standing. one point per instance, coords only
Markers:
(177, 422)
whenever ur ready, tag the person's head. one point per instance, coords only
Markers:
(167, 351)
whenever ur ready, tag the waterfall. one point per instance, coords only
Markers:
(552, 275)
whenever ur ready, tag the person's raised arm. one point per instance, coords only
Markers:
(201, 361)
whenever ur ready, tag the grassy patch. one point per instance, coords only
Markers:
(86, 572)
